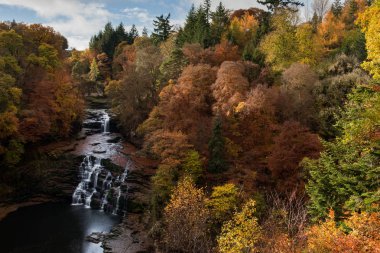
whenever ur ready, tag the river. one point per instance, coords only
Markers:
(63, 227)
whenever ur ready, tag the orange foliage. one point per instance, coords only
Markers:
(331, 31)
(364, 235)
(225, 52)
(230, 87)
(293, 143)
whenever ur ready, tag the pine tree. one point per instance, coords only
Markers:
(272, 5)
(217, 162)
(133, 34)
(186, 35)
(219, 23)
(162, 28)
(336, 8)
(120, 33)
(202, 28)
(315, 22)
(145, 32)
(108, 40)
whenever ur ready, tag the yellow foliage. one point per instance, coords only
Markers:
(186, 219)
(243, 29)
(310, 49)
(242, 233)
(223, 201)
(369, 20)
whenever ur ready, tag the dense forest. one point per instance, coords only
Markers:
(265, 125)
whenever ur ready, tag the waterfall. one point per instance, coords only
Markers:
(84, 191)
(98, 188)
(106, 123)
(117, 200)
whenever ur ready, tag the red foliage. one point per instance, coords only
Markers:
(293, 143)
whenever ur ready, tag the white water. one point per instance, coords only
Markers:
(106, 123)
(84, 191)
(116, 209)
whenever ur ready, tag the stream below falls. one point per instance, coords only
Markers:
(98, 202)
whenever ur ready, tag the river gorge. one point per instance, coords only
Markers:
(98, 202)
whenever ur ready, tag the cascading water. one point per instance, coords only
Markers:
(118, 195)
(87, 187)
(98, 188)
(106, 123)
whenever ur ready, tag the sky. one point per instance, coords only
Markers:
(78, 20)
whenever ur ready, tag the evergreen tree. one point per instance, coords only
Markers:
(145, 32)
(275, 4)
(120, 33)
(216, 145)
(315, 22)
(219, 23)
(133, 34)
(108, 40)
(336, 8)
(186, 35)
(162, 28)
(202, 28)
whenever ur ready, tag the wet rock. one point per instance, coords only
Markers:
(96, 203)
(95, 237)
(99, 151)
(92, 125)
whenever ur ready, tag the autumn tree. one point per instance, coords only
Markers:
(362, 235)
(331, 31)
(243, 30)
(242, 232)
(297, 92)
(222, 203)
(293, 143)
(368, 21)
(230, 87)
(279, 46)
(186, 218)
(192, 165)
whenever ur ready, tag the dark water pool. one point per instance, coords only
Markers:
(53, 228)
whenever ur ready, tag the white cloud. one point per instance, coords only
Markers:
(75, 19)
(142, 15)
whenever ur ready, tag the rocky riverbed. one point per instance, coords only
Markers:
(99, 141)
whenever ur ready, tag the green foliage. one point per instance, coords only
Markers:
(197, 27)
(223, 201)
(280, 46)
(219, 23)
(162, 28)
(346, 175)
(354, 45)
(36, 96)
(273, 5)
(217, 162)
(94, 71)
(107, 40)
(192, 165)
